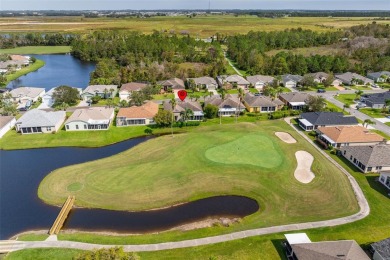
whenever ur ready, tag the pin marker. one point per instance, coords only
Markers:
(182, 94)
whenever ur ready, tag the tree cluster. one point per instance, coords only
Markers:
(35, 39)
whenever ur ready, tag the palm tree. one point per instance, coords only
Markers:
(358, 93)
(186, 114)
(173, 105)
(345, 106)
(111, 91)
(368, 122)
(240, 97)
(105, 93)
(223, 96)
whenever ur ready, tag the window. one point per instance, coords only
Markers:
(350, 158)
(48, 128)
(344, 152)
(382, 179)
(369, 169)
(67, 127)
(378, 167)
(77, 127)
(85, 126)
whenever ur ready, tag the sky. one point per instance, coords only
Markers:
(191, 4)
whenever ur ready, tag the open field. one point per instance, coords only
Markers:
(309, 51)
(164, 173)
(37, 50)
(202, 26)
(33, 67)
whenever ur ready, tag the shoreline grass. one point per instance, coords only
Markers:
(31, 68)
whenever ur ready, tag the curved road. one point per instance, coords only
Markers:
(7, 246)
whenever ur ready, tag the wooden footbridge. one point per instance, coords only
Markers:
(60, 220)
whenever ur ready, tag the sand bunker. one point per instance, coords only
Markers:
(303, 171)
(286, 137)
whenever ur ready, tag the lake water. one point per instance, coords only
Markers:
(21, 171)
(59, 69)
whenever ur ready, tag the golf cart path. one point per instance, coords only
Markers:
(7, 246)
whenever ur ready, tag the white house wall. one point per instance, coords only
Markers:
(7, 127)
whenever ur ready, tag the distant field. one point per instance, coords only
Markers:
(309, 51)
(36, 50)
(202, 26)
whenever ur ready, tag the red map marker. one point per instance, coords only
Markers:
(182, 94)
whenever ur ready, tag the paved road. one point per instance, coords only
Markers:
(378, 124)
(363, 212)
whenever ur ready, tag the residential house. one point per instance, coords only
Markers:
(6, 124)
(205, 83)
(370, 158)
(48, 99)
(128, 88)
(376, 100)
(229, 106)
(320, 77)
(25, 96)
(232, 81)
(260, 81)
(379, 77)
(181, 106)
(339, 136)
(300, 247)
(40, 121)
(291, 81)
(261, 104)
(171, 84)
(384, 178)
(92, 118)
(353, 79)
(312, 120)
(103, 91)
(142, 115)
(294, 100)
(381, 249)
(25, 60)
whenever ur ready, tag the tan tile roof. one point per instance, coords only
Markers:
(91, 114)
(133, 86)
(148, 110)
(350, 134)
(5, 120)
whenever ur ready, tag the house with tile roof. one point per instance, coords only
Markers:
(25, 96)
(294, 100)
(171, 84)
(103, 91)
(384, 178)
(353, 79)
(370, 158)
(229, 106)
(261, 104)
(376, 100)
(312, 120)
(320, 77)
(39, 121)
(232, 81)
(127, 89)
(141, 115)
(260, 81)
(379, 77)
(181, 106)
(299, 247)
(91, 118)
(6, 124)
(204, 83)
(291, 81)
(339, 136)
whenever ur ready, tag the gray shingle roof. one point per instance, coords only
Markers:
(329, 118)
(370, 155)
(229, 102)
(181, 106)
(204, 81)
(39, 118)
(91, 114)
(382, 248)
(261, 101)
(377, 98)
(295, 96)
(5, 120)
(376, 75)
(319, 75)
(99, 88)
(175, 83)
(349, 76)
(233, 79)
(288, 77)
(26, 92)
(259, 78)
(330, 250)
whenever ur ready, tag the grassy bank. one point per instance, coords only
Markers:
(33, 67)
(37, 50)
(347, 99)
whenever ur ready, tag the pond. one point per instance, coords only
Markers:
(20, 208)
(59, 69)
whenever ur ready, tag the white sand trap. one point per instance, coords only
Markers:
(286, 137)
(303, 171)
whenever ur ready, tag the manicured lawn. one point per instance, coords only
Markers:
(33, 67)
(372, 112)
(335, 108)
(348, 99)
(37, 50)
(44, 254)
(164, 173)
(163, 96)
(360, 87)
(32, 237)
(103, 102)
(330, 88)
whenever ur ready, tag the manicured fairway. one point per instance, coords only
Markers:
(165, 171)
(37, 50)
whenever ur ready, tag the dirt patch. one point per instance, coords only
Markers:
(286, 137)
(303, 171)
(226, 222)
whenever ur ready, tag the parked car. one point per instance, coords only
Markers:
(321, 90)
(360, 105)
